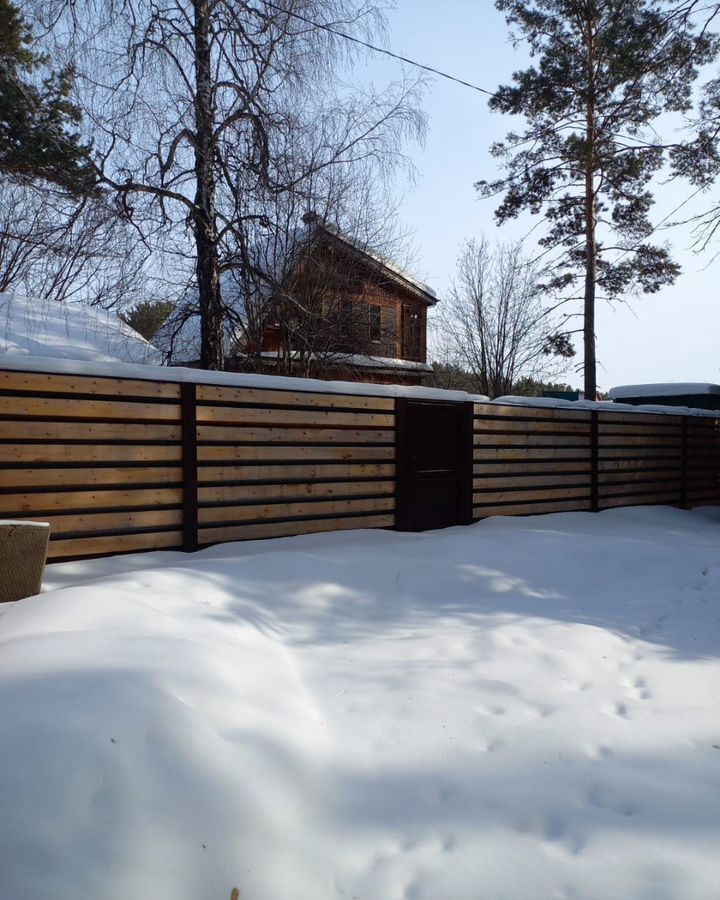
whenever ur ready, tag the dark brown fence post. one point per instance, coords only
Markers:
(188, 405)
(684, 465)
(468, 439)
(594, 442)
(401, 467)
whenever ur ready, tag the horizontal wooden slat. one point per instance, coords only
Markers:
(307, 417)
(634, 440)
(286, 510)
(630, 452)
(530, 440)
(97, 500)
(262, 452)
(648, 487)
(297, 435)
(209, 394)
(77, 384)
(489, 454)
(42, 477)
(639, 476)
(123, 543)
(523, 466)
(250, 492)
(87, 431)
(482, 512)
(531, 412)
(531, 481)
(52, 454)
(287, 529)
(42, 408)
(115, 521)
(635, 500)
(538, 426)
(498, 497)
(639, 464)
(640, 428)
(610, 417)
(285, 471)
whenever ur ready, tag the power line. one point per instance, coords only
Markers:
(382, 50)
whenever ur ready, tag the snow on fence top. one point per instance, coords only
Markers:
(672, 389)
(605, 405)
(100, 369)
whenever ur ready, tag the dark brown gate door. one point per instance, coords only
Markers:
(434, 464)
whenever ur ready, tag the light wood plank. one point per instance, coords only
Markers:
(638, 475)
(500, 497)
(41, 476)
(88, 431)
(649, 500)
(42, 407)
(247, 513)
(243, 493)
(537, 509)
(538, 426)
(531, 440)
(209, 394)
(96, 500)
(641, 429)
(117, 521)
(77, 384)
(530, 454)
(631, 465)
(287, 529)
(284, 472)
(531, 412)
(635, 452)
(532, 481)
(103, 546)
(524, 467)
(308, 417)
(260, 452)
(631, 440)
(637, 488)
(50, 454)
(669, 420)
(297, 435)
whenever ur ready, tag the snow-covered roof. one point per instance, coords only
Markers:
(383, 262)
(671, 389)
(32, 327)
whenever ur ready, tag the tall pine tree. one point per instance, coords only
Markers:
(604, 71)
(39, 136)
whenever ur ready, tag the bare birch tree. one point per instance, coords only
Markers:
(495, 324)
(195, 109)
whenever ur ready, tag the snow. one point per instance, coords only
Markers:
(33, 327)
(22, 363)
(604, 405)
(523, 709)
(671, 389)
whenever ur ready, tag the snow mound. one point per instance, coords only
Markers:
(524, 708)
(33, 327)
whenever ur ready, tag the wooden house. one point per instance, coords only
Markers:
(338, 311)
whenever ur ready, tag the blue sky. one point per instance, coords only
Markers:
(670, 336)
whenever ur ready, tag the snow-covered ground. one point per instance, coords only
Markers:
(523, 709)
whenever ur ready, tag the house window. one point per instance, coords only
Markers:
(346, 320)
(375, 324)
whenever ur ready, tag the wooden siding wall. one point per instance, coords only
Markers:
(539, 460)
(118, 465)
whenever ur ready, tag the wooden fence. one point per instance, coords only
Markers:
(125, 464)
